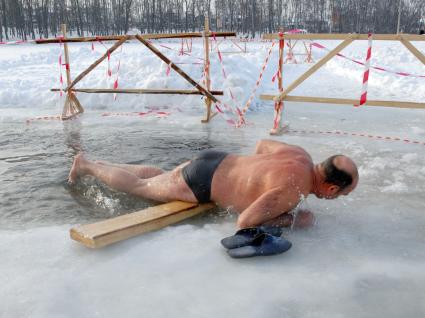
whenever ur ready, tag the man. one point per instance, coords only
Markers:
(262, 187)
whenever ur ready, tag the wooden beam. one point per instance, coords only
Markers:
(133, 37)
(277, 125)
(72, 106)
(65, 48)
(412, 49)
(137, 91)
(120, 228)
(185, 35)
(316, 66)
(342, 101)
(97, 62)
(207, 68)
(342, 36)
(177, 69)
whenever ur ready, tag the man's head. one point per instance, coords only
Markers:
(338, 175)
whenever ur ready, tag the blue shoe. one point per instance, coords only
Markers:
(245, 237)
(263, 245)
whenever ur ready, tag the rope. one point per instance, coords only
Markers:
(38, 118)
(370, 136)
(158, 114)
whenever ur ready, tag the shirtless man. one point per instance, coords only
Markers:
(262, 187)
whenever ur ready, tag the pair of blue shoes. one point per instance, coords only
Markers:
(256, 241)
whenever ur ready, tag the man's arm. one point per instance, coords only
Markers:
(268, 206)
(299, 220)
(269, 146)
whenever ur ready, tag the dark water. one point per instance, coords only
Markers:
(35, 160)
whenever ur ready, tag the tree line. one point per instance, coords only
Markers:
(30, 19)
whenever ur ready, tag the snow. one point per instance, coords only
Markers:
(363, 258)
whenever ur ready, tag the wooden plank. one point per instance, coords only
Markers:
(412, 49)
(137, 91)
(187, 35)
(177, 69)
(342, 36)
(113, 230)
(97, 62)
(133, 37)
(315, 67)
(342, 101)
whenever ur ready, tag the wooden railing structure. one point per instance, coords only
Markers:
(72, 106)
(405, 39)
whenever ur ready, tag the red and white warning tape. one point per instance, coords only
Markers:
(117, 74)
(179, 51)
(39, 118)
(17, 42)
(320, 46)
(238, 112)
(158, 114)
(257, 84)
(363, 95)
(225, 114)
(343, 133)
(60, 70)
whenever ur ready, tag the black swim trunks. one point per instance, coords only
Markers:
(199, 172)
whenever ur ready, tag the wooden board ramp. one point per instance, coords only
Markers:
(120, 228)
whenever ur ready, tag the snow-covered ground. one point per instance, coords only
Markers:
(364, 257)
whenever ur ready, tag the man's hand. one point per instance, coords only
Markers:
(303, 219)
(268, 207)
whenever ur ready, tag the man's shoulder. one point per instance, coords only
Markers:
(293, 151)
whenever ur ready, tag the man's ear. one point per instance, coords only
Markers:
(333, 189)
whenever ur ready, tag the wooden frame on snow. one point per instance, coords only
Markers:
(347, 40)
(72, 106)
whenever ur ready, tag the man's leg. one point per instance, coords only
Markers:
(168, 186)
(141, 171)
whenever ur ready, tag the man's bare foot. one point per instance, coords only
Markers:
(76, 167)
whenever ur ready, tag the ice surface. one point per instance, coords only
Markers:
(363, 258)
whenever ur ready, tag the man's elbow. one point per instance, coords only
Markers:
(244, 222)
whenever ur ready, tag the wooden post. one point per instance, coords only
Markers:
(72, 106)
(279, 104)
(207, 69)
